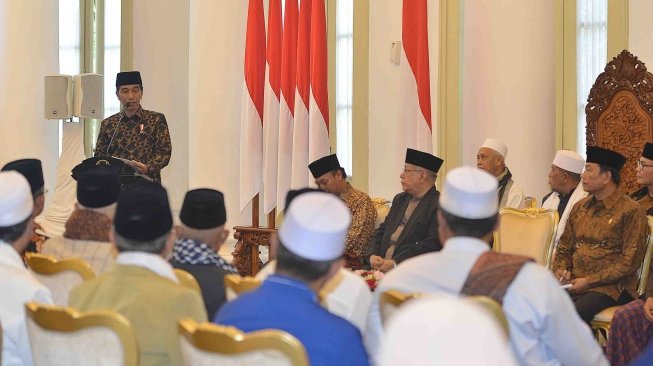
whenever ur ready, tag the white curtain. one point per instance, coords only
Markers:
(591, 55)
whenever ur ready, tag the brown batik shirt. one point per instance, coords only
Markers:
(143, 137)
(604, 240)
(363, 217)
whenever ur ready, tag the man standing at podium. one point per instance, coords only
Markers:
(137, 136)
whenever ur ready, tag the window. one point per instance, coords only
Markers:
(344, 81)
(69, 45)
(112, 29)
(591, 55)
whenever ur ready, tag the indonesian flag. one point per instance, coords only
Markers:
(251, 133)
(300, 172)
(318, 109)
(414, 77)
(287, 100)
(271, 107)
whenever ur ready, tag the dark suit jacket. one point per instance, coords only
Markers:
(211, 280)
(418, 237)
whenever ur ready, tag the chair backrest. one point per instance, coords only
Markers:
(1, 343)
(187, 280)
(64, 336)
(235, 285)
(382, 207)
(59, 276)
(391, 300)
(619, 112)
(530, 232)
(495, 309)
(210, 344)
(645, 270)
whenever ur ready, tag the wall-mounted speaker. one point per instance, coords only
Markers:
(89, 96)
(58, 96)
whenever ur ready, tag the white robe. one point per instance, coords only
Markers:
(17, 287)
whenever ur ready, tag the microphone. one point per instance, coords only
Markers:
(111, 140)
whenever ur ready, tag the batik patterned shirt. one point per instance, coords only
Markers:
(143, 137)
(363, 217)
(604, 240)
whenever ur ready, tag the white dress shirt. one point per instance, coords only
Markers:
(544, 326)
(17, 287)
(152, 262)
(346, 295)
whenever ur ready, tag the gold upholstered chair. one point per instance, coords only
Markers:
(211, 344)
(382, 207)
(530, 232)
(234, 285)
(187, 280)
(391, 300)
(59, 276)
(601, 322)
(64, 336)
(495, 309)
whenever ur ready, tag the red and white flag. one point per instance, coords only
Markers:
(271, 106)
(415, 109)
(287, 100)
(300, 172)
(251, 129)
(318, 108)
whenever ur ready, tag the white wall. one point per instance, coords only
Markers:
(216, 49)
(640, 40)
(28, 52)
(161, 29)
(509, 85)
(386, 163)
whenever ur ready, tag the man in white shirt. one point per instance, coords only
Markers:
(491, 157)
(17, 286)
(566, 188)
(544, 326)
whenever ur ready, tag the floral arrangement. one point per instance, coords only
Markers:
(371, 277)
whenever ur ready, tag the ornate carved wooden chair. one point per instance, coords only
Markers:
(211, 344)
(620, 112)
(529, 231)
(64, 336)
(59, 276)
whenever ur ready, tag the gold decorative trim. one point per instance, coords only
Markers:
(231, 341)
(187, 280)
(495, 310)
(240, 285)
(48, 265)
(534, 214)
(65, 319)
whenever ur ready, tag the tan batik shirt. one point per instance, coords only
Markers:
(645, 200)
(363, 217)
(604, 240)
(143, 137)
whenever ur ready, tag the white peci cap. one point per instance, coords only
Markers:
(470, 193)
(569, 160)
(315, 226)
(16, 203)
(444, 331)
(497, 146)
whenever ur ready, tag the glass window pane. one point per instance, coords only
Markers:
(112, 11)
(344, 81)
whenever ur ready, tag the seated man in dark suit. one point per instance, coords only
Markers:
(201, 234)
(411, 228)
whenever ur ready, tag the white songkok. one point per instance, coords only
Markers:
(470, 193)
(444, 331)
(497, 146)
(16, 203)
(315, 226)
(569, 160)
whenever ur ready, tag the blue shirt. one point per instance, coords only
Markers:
(290, 305)
(646, 359)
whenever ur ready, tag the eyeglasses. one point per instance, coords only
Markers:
(641, 165)
(413, 170)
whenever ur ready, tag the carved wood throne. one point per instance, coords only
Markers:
(620, 112)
